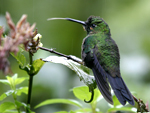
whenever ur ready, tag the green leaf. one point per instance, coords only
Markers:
(36, 66)
(63, 101)
(11, 111)
(6, 94)
(14, 80)
(72, 111)
(20, 80)
(7, 106)
(4, 82)
(61, 112)
(81, 71)
(19, 104)
(20, 57)
(22, 90)
(129, 109)
(11, 81)
(116, 101)
(82, 92)
(84, 110)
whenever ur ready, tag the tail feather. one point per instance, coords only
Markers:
(120, 89)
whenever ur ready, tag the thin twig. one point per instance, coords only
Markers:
(141, 105)
(60, 54)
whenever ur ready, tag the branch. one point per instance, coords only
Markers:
(141, 106)
(60, 54)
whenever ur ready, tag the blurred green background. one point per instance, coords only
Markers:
(129, 21)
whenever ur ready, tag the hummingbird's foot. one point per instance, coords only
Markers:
(92, 96)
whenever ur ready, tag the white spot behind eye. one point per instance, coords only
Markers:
(94, 25)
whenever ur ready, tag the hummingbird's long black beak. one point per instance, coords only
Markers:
(70, 19)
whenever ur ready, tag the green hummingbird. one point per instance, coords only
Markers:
(101, 54)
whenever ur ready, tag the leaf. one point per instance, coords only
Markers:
(14, 80)
(20, 80)
(19, 104)
(81, 71)
(63, 101)
(11, 81)
(4, 82)
(61, 112)
(22, 90)
(84, 110)
(116, 101)
(11, 111)
(82, 93)
(20, 57)
(36, 66)
(72, 111)
(6, 94)
(129, 109)
(7, 106)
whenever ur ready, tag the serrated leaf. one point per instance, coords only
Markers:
(129, 109)
(62, 101)
(21, 90)
(20, 57)
(82, 93)
(6, 94)
(7, 106)
(36, 66)
(81, 71)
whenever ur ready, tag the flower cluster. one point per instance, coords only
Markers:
(21, 33)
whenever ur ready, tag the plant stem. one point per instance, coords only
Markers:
(60, 54)
(30, 90)
(30, 83)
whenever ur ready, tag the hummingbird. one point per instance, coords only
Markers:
(101, 54)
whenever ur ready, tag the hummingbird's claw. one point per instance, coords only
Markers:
(92, 96)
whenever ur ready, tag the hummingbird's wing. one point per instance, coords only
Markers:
(90, 59)
(100, 77)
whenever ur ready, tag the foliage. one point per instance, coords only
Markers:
(6, 107)
(81, 93)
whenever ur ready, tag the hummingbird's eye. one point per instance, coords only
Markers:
(93, 25)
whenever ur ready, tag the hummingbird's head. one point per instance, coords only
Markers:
(96, 24)
(92, 25)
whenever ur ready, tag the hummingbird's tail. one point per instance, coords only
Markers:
(120, 89)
